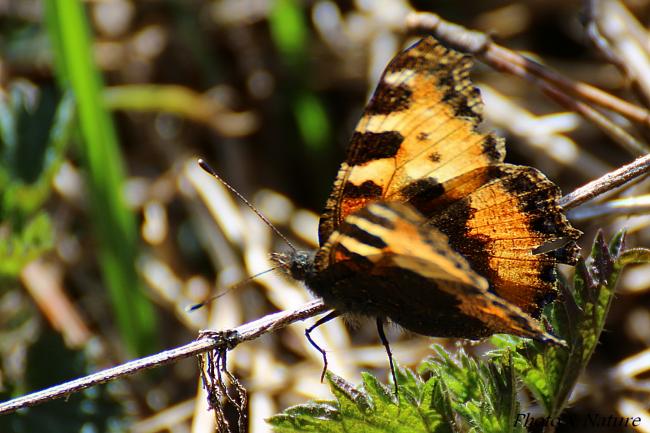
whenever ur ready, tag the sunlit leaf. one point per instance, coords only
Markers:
(370, 408)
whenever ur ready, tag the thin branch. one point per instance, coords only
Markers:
(627, 206)
(587, 92)
(501, 58)
(615, 132)
(609, 181)
(210, 340)
(616, 31)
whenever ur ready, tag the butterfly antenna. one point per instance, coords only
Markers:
(229, 289)
(206, 167)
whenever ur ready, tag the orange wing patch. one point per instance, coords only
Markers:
(497, 217)
(417, 143)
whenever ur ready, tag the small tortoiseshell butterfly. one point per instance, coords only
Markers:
(426, 226)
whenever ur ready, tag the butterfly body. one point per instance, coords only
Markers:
(394, 294)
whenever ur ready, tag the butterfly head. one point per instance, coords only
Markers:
(298, 264)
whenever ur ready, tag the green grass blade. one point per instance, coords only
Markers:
(114, 225)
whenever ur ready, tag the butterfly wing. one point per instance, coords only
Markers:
(383, 261)
(417, 143)
(498, 217)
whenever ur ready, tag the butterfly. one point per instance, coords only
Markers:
(426, 226)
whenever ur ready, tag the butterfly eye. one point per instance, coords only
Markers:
(302, 264)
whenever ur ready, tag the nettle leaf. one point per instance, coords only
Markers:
(551, 372)
(24, 191)
(19, 247)
(372, 408)
(26, 230)
(483, 394)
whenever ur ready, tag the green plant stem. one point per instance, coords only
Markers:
(113, 224)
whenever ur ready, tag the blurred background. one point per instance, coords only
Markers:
(109, 229)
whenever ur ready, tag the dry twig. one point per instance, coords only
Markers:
(559, 87)
(218, 340)
(614, 179)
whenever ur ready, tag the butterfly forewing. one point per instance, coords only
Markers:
(417, 131)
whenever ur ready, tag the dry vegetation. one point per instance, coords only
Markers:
(268, 93)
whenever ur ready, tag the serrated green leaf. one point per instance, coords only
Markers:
(410, 385)
(311, 417)
(25, 244)
(370, 408)
(461, 377)
(482, 393)
(383, 397)
(351, 400)
(437, 395)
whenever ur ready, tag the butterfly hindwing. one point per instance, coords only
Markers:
(497, 217)
(385, 260)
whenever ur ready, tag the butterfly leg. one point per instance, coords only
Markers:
(331, 315)
(384, 341)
